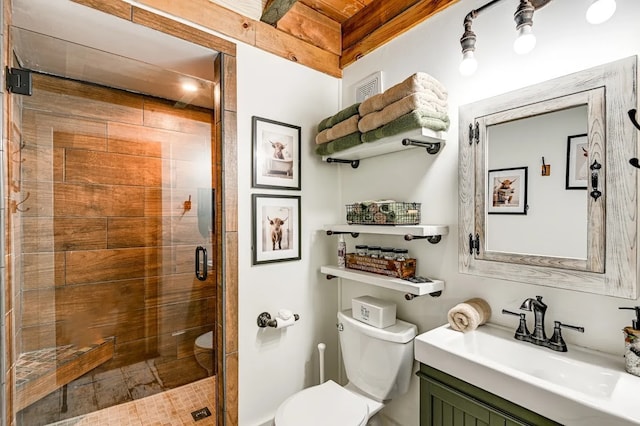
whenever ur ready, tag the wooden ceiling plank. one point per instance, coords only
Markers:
(370, 18)
(296, 50)
(393, 28)
(338, 10)
(313, 27)
(274, 10)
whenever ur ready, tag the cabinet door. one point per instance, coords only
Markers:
(444, 406)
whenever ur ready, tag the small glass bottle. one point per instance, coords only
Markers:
(342, 252)
(401, 254)
(362, 249)
(387, 253)
(374, 251)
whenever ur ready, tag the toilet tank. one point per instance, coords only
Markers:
(377, 360)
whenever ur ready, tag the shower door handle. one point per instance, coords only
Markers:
(201, 259)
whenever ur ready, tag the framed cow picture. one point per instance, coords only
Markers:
(275, 154)
(276, 228)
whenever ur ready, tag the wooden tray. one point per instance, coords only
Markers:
(390, 268)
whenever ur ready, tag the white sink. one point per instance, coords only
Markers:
(578, 387)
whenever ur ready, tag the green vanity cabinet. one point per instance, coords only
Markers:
(448, 401)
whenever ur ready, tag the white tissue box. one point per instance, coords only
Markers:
(376, 312)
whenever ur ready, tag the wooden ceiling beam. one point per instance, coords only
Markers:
(274, 10)
(313, 27)
(397, 25)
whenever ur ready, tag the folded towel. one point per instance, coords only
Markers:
(413, 120)
(418, 82)
(338, 117)
(339, 144)
(416, 101)
(341, 129)
(469, 315)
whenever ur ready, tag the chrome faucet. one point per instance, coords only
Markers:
(539, 337)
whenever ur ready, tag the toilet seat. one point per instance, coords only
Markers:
(322, 405)
(205, 341)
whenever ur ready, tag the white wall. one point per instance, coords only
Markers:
(566, 43)
(277, 363)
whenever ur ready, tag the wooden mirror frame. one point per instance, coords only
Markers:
(611, 267)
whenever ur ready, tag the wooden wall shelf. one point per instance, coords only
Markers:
(411, 289)
(431, 140)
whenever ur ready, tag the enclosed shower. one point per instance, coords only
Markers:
(112, 225)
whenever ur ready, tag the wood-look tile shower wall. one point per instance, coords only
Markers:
(108, 248)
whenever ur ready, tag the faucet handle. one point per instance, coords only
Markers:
(522, 333)
(556, 342)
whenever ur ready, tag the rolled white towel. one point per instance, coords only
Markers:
(467, 316)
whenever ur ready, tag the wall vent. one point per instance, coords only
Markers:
(369, 86)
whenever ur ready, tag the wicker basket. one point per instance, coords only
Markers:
(383, 213)
(391, 268)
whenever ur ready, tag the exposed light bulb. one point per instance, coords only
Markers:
(469, 63)
(526, 40)
(600, 11)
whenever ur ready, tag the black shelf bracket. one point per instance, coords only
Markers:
(354, 163)
(330, 277)
(410, 296)
(353, 234)
(433, 239)
(431, 147)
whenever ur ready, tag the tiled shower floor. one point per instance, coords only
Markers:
(136, 388)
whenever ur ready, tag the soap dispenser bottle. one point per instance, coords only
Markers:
(632, 343)
(342, 252)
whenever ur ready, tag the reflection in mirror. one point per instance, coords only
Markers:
(573, 227)
(556, 218)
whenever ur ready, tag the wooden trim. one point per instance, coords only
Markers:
(184, 32)
(294, 49)
(392, 28)
(112, 7)
(255, 33)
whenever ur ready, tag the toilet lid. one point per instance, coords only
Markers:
(322, 405)
(205, 341)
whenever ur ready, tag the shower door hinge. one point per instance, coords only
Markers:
(474, 133)
(19, 81)
(474, 244)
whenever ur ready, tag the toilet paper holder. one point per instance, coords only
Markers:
(265, 320)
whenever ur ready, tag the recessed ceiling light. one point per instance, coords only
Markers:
(189, 87)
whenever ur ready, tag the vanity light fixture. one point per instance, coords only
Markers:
(598, 12)
(526, 41)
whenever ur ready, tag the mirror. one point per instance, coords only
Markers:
(572, 223)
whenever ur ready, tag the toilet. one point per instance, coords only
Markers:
(378, 362)
(203, 350)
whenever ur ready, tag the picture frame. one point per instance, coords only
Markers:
(275, 154)
(508, 191)
(577, 171)
(276, 228)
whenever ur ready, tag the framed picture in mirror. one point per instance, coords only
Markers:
(508, 194)
(577, 162)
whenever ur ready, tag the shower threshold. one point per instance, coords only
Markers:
(40, 372)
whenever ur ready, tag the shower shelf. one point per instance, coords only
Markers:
(38, 373)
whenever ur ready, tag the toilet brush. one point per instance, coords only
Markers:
(321, 348)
